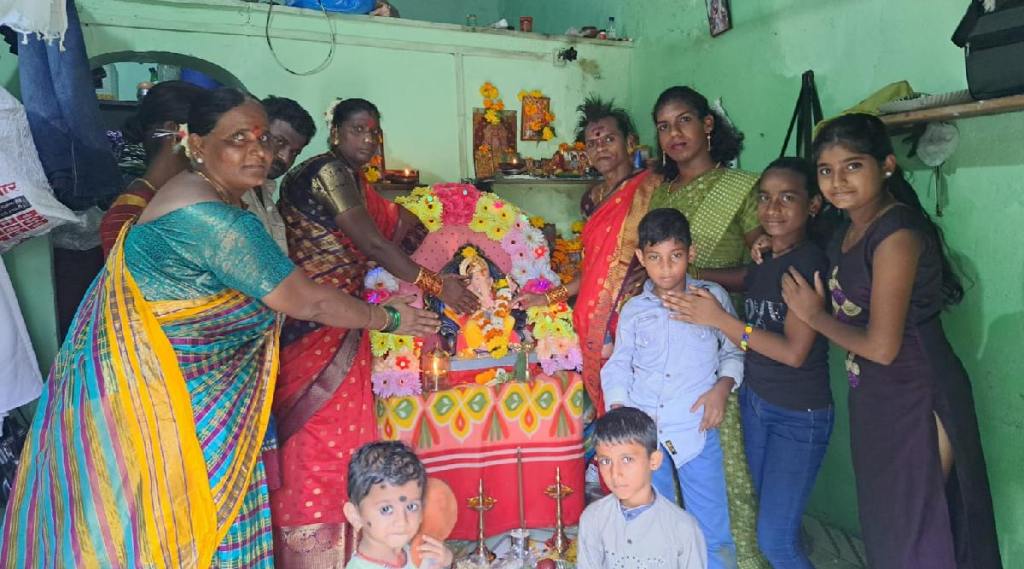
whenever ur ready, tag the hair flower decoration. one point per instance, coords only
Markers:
(181, 138)
(329, 114)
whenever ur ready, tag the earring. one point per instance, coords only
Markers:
(663, 162)
(199, 159)
(888, 174)
(709, 142)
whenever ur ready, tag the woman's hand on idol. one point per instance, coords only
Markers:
(455, 294)
(530, 300)
(415, 321)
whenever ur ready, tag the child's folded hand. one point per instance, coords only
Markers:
(436, 554)
(713, 402)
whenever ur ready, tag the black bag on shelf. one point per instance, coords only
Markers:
(993, 45)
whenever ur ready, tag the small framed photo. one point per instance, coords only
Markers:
(719, 19)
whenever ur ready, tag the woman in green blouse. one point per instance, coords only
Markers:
(696, 145)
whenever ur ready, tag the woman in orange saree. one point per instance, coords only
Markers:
(612, 210)
(336, 224)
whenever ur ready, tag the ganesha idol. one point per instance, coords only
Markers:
(492, 245)
(496, 325)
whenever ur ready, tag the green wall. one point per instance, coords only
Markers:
(424, 77)
(450, 11)
(855, 48)
(557, 17)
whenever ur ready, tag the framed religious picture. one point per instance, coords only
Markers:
(494, 139)
(536, 116)
(719, 18)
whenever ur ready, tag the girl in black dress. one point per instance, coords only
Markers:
(922, 489)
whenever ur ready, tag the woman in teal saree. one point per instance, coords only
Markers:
(145, 449)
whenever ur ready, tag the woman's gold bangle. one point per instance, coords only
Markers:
(557, 295)
(429, 282)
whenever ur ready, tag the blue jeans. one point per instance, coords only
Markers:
(702, 481)
(784, 450)
(64, 117)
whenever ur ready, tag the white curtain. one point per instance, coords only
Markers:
(48, 18)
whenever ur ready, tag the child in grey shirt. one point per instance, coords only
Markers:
(634, 527)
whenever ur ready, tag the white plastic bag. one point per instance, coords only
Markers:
(48, 18)
(21, 381)
(27, 205)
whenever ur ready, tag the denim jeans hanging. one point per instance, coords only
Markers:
(60, 101)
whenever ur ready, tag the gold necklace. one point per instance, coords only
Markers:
(221, 192)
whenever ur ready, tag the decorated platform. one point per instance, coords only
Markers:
(495, 396)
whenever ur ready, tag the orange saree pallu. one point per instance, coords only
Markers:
(609, 243)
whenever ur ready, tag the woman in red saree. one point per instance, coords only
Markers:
(613, 209)
(336, 224)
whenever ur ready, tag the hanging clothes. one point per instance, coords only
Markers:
(46, 18)
(60, 101)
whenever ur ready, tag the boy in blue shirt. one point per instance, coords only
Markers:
(681, 375)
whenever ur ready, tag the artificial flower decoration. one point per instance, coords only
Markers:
(182, 140)
(492, 104)
(567, 258)
(488, 91)
(371, 173)
(396, 358)
(537, 116)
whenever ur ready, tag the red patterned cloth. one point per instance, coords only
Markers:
(125, 209)
(472, 433)
(324, 403)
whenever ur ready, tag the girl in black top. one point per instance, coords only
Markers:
(785, 399)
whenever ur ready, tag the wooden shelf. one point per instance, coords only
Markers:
(899, 121)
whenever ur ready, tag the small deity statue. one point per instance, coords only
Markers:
(488, 331)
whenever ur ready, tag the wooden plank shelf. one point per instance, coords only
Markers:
(900, 121)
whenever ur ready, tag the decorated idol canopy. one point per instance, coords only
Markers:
(492, 243)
